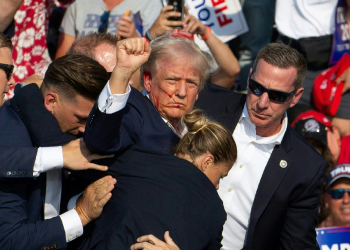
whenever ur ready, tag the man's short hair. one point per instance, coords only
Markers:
(75, 74)
(283, 56)
(5, 41)
(170, 48)
(86, 45)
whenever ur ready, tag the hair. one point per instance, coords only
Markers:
(86, 45)
(5, 41)
(170, 48)
(73, 75)
(206, 136)
(285, 57)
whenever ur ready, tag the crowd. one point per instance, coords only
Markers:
(118, 132)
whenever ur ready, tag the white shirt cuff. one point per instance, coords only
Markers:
(72, 225)
(47, 158)
(73, 201)
(108, 103)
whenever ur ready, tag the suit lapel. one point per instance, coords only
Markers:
(273, 174)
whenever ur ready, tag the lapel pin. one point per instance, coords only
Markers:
(283, 164)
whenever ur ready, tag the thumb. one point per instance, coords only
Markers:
(169, 240)
(342, 77)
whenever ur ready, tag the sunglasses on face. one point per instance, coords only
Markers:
(104, 22)
(338, 193)
(274, 95)
(8, 68)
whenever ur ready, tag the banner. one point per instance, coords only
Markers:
(334, 238)
(341, 33)
(224, 17)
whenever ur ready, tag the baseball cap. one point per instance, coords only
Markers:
(326, 93)
(312, 124)
(340, 171)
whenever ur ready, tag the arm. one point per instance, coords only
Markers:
(8, 10)
(301, 218)
(228, 63)
(103, 132)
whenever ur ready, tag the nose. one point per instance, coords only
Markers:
(181, 89)
(11, 82)
(217, 186)
(263, 101)
(81, 129)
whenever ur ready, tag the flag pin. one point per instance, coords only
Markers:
(283, 164)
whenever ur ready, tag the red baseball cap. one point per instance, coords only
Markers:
(326, 93)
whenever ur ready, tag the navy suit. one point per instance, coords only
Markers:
(158, 192)
(22, 199)
(139, 123)
(283, 215)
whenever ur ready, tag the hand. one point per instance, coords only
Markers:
(96, 195)
(38, 80)
(162, 24)
(131, 54)
(76, 156)
(334, 142)
(345, 77)
(151, 242)
(126, 27)
(193, 25)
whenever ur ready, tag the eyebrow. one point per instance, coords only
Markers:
(81, 117)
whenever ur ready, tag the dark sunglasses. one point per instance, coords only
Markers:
(8, 68)
(274, 95)
(338, 193)
(104, 22)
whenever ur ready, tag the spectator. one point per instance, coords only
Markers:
(269, 204)
(6, 66)
(337, 198)
(83, 17)
(184, 200)
(102, 48)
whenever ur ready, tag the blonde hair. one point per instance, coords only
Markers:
(206, 136)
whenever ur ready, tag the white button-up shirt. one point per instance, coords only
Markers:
(238, 189)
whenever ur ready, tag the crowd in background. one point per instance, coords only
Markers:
(46, 31)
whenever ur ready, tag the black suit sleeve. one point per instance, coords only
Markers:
(17, 162)
(42, 126)
(17, 232)
(301, 218)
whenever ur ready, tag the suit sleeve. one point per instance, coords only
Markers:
(17, 161)
(16, 231)
(42, 126)
(301, 218)
(112, 133)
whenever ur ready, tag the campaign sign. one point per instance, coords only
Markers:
(341, 34)
(224, 17)
(334, 238)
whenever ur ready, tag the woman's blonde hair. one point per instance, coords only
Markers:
(205, 136)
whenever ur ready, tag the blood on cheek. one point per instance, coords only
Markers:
(178, 104)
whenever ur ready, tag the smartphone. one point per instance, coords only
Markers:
(178, 7)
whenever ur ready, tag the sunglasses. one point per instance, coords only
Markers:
(104, 22)
(274, 95)
(8, 68)
(338, 193)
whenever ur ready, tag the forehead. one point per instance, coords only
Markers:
(6, 56)
(341, 183)
(177, 67)
(106, 55)
(274, 77)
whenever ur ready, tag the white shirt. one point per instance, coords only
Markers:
(50, 160)
(305, 18)
(238, 189)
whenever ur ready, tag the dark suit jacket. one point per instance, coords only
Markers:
(22, 199)
(283, 215)
(139, 123)
(157, 192)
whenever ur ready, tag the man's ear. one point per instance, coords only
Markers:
(207, 162)
(147, 80)
(296, 97)
(50, 101)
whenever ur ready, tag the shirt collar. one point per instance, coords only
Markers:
(275, 139)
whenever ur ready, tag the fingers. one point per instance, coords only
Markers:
(169, 240)
(103, 187)
(151, 239)
(98, 157)
(96, 167)
(133, 46)
(145, 246)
